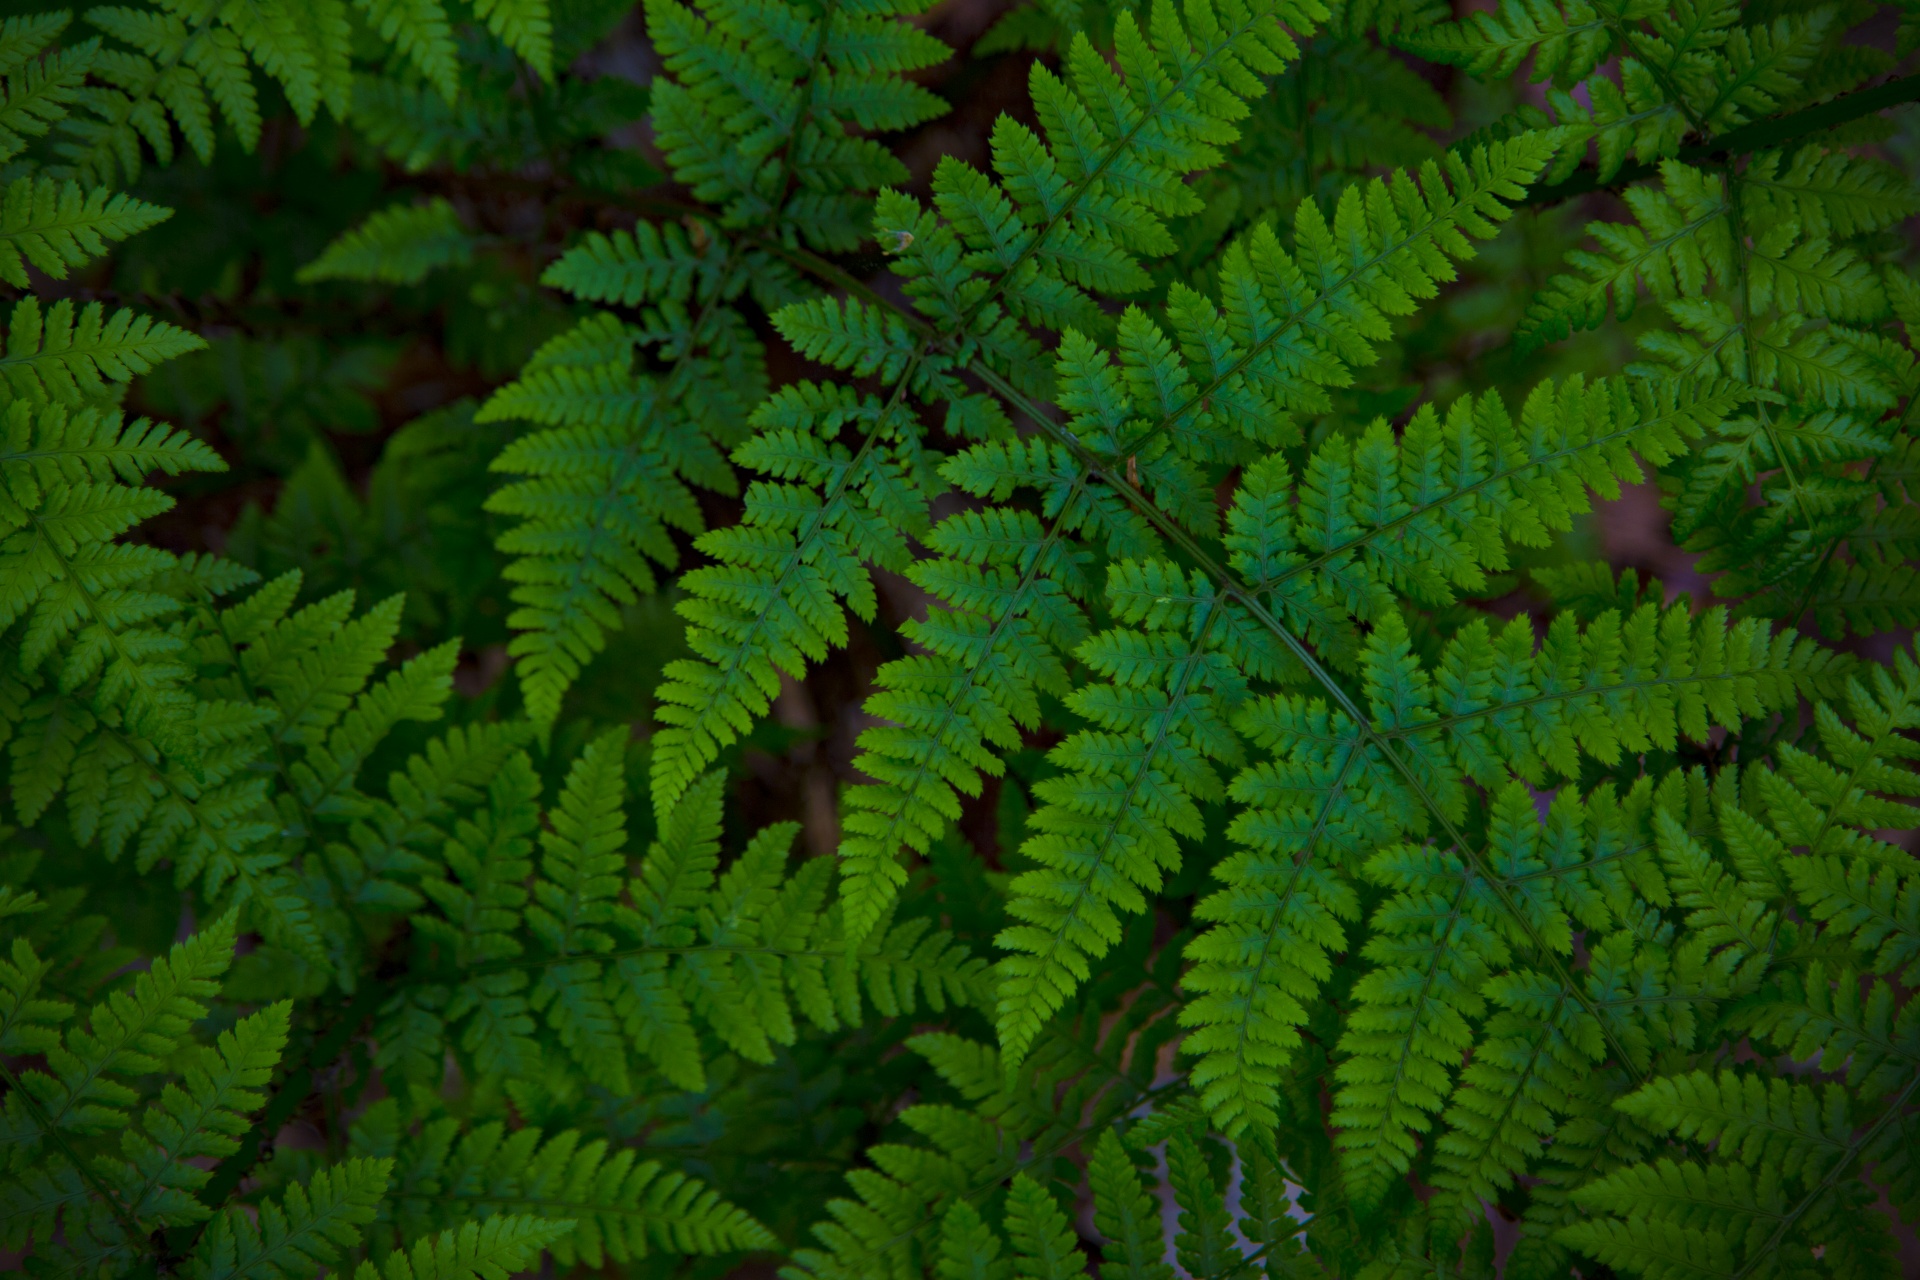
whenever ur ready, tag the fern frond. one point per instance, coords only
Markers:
(202, 1120)
(1106, 837)
(598, 1205)
(490, 1250)
(1067, 1091)
(71, 360)
(524, 26)
(39, 92)
(1203, 1245)
(1565, 42)
(400, 245)
(420, 30)
(130, 1035)
(605, 484)
(56, 227)
(314, 1225)
(1070, 216)
(1126, 1216)
(616, 965)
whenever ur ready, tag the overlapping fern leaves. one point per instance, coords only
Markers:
(990, 270)
(758, 117)
(1477, 926)
(615, 968)
(170, 71)
(1761, 264)
(1354, 903)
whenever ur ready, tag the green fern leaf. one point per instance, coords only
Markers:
(524, 27)
(419, 29)
(59, 358)
(314, 1225)
(401, 245)
(490, 1250)
(55, 227)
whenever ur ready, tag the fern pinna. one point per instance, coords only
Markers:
(970, 641)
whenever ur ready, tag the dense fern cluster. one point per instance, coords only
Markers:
(965, 641)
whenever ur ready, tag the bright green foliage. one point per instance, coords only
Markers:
(928, 691)
(1289, 328)
(1320, 557)
(490, 1250)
